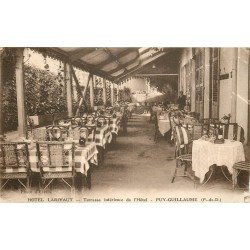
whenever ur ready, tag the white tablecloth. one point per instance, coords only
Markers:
(164, 126)
(205, 154)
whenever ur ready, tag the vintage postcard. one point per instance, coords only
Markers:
(124, 124)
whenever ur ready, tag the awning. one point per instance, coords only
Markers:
(114, 64)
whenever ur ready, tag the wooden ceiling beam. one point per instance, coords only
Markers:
(123, 66)
(143, 63)
(77, 54)
(118, 56)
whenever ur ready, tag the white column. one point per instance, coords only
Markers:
(206, 83)
(92, 92)
(20, 94)
(1, 96)
(234, 84)
(117, 95)
(104, 94)
(112, 93)
(68, 83)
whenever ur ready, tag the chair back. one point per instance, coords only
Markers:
(74, 133)
(39, 134)
(57, 133)
(233, 131)
(101, 121)
(14, 157)
(55, 156)
(91, 133)
(90, 119)
(84, 132)
(182, 140)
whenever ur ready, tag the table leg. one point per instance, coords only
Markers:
(223, 172)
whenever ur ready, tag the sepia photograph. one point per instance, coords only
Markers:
(124, 124)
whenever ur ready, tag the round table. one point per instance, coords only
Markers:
(206, 154)
(163, 126)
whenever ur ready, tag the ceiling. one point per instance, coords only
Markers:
(114, 64)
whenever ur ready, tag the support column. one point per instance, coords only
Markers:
(20, 91)
(234, 84)
(112, 94)
(117, 93)
(83, 95)
(68, 83)
(104, 93)
(248, 124)
(1, 95)
(92, 92)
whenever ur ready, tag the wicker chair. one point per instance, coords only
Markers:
(39, 134)
(237, 168)
(196, 130)
(91, 132)
(74, 133)
(182, 151)
(57, 133)
(56, 161)
(233, 131)
(14, 163)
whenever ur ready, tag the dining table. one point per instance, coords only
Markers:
(82, 156)
(103, 136)
(206, 153)
(163, 122)
(114, 125)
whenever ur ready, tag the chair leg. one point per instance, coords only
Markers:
(28, 183)
(175, 172)
(234, 177)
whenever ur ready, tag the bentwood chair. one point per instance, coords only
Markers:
(237, 169)
(57, 133)
(91, 132)
(233, 131)
(182, 151)
(56, 161)
(14, 163)
(74, 133)
(195, 130)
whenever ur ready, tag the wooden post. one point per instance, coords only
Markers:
(112, 94)
(1, 96)
(20, 91)
(68, 83)
(104, 93)
(117, 92)
(248, 124)
(83, 95)
(92, 92)
(234, 85)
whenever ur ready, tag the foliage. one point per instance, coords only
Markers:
(125, 95)
(167, 86)
(9, 90)
(44, 91)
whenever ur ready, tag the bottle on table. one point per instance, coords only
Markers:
(220, 132)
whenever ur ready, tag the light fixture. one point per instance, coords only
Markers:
(153, 66)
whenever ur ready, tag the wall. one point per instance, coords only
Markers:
(185, 57)
(206, 83)
(138, 84)
(226, 86)
(242, 89)
(225, 96)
